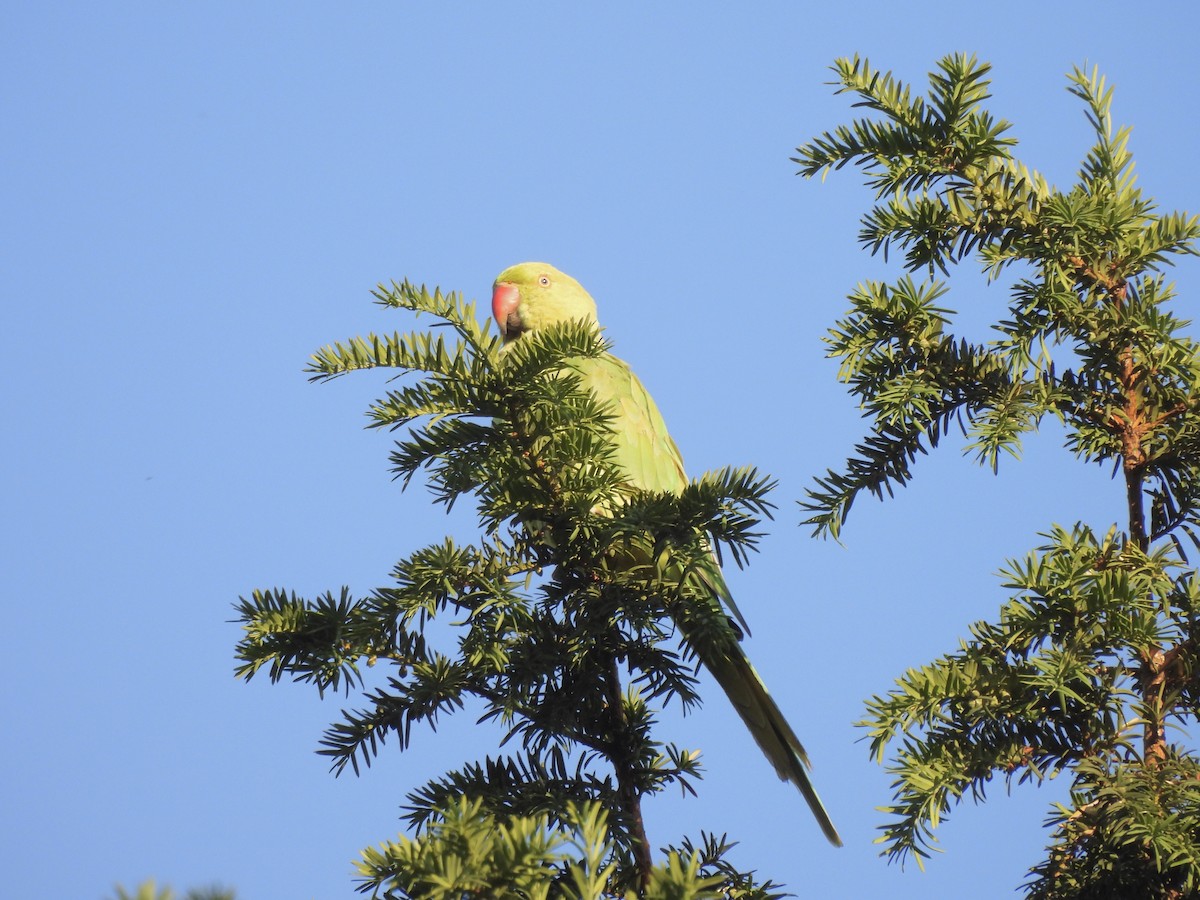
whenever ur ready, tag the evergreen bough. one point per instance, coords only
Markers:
(546, 626)
(1092, 662)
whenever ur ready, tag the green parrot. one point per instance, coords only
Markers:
(535, 295)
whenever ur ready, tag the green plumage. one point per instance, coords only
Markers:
(536, 295)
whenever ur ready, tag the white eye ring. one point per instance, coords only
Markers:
(544, 280)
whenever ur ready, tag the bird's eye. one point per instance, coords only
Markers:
(544, 280)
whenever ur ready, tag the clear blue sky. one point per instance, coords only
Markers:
(196, 196)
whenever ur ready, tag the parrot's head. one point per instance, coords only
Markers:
(534, 295)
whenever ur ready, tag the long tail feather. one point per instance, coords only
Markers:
(770, 729)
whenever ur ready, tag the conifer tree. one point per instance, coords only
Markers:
(1090, 667)
(544, 625)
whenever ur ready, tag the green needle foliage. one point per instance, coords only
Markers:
(148, 890)
(555, 624)
(1094, 656)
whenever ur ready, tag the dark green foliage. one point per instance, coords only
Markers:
(1094, 654)
(1129, 832)
(556, 624)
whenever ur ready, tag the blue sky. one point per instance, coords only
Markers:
(196, 196)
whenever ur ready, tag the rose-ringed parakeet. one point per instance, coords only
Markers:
(535, 295)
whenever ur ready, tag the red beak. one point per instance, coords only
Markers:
(505, 300)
